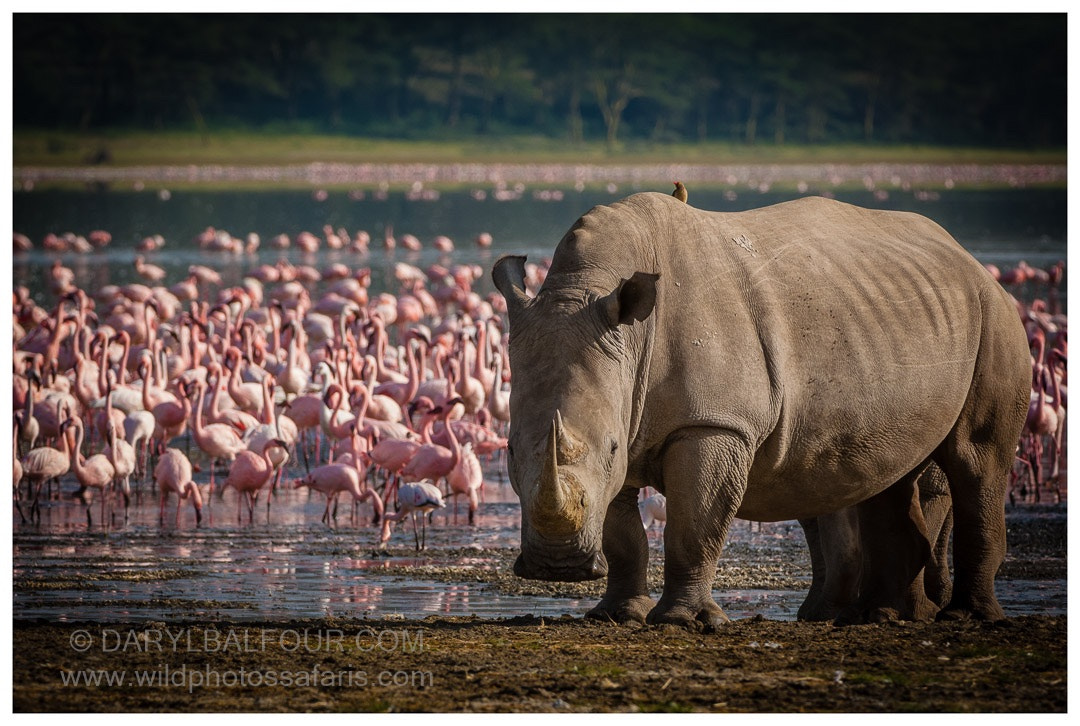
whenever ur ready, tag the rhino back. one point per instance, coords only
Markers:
(839, 342)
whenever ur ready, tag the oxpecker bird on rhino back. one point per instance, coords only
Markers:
(775, 364)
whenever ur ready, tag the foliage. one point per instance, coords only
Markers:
(977, 79)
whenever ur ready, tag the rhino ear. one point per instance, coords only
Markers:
(508, 275)
(632, 300)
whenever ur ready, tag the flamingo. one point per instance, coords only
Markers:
(28, 426)
(251, 472)
(413, 497)
(17, 470)
(242, 421)
(432, 461)
(379, 406)
(247, 396)
(274, 428)
(466, 478)
(218, 441)
(120, 453)
(173, 474)
(139, 432)
(498, 399)
(402, 391)
(469, 388)
(333, 479)
(653, 509)
(334, 421)
(42, 464)
(170, 417)
(152, 273)
(293, 379)
(96, 472)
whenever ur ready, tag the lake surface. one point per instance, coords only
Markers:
(996, 226)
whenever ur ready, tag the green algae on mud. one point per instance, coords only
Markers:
(443, 664)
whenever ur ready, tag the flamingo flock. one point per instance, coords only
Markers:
(1041, 458)
(372, 395)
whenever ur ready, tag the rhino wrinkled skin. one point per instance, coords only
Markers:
(775, 364)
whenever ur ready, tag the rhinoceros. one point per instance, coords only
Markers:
(773, 364)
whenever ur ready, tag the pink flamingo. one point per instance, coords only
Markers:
(250, 473)
(466, 479)
(218, 441)
(96, 472)
(402, 391)
(379, 407)
(120, 453)
(333, 479)
(152, 273)
(170, 418)
(44, 464)
(247, 396)
(173, 474)
(432, 461)
(498, 399)
(334, 421)
(28, 426)
(274, 427)
(469, 388)
(653, 509)
(17, 470)
(423, 497)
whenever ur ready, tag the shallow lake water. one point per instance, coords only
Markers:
(288, 564)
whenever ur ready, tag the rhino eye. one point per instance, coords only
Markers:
(614, 446)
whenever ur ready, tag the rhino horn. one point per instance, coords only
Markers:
(558, 509)
(508, 274)
(568, 449)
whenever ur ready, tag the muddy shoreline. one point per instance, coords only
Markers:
(535, 665)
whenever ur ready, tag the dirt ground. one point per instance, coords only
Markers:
(528, 664)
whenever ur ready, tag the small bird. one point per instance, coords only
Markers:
(680, 192)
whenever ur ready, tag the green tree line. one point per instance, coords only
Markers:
(949, 79)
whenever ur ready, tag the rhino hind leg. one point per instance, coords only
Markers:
(626, 548)
(836, 564)
(977, 456)
(704, 474)
(895, 551)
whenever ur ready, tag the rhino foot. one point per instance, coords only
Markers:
(862, 615)
(622, 610)
(960, 613)
(820, 611)
(972, 608)
(707, 617)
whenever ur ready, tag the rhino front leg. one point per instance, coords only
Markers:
(704, 473)
(626, 548)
